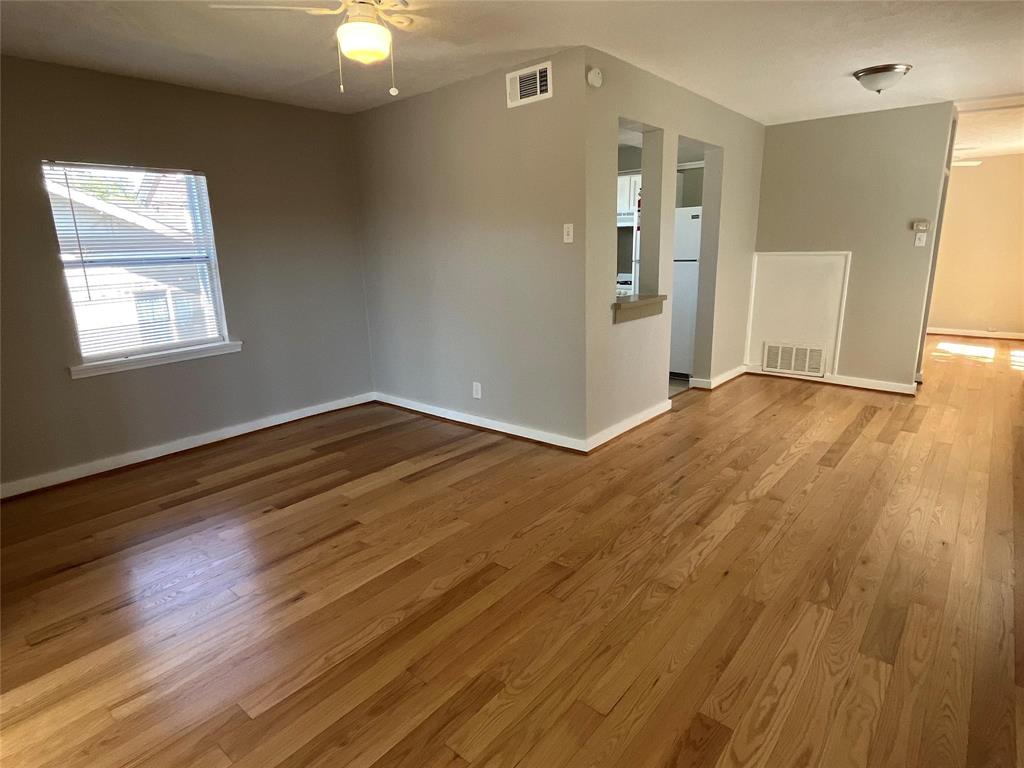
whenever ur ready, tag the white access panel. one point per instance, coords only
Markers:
(798, 299)
(684, 315)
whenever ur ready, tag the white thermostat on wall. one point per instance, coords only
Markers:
(920, 228)
(595, 77)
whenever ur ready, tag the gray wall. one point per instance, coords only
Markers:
(462, 203)
(280, 187)
(629, 158)
(854, 183)
(627, 363)
(457, 204)
(689, 187)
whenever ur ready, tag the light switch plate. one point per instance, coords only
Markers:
(477, 394)
(567, 234)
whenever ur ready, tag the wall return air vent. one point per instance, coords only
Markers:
(525, 86)
(793, 359)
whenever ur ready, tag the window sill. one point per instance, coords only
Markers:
(101, 367)
(636, 306)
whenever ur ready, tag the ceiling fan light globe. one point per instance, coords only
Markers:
(364, 41)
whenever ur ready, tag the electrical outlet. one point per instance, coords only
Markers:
(476, 390)
(567, 234)
(921, 239)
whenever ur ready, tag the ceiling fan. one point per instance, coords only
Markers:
(364, 34)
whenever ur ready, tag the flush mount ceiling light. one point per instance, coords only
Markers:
(364, 34)
(881, 77)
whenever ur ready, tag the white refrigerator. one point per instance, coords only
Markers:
(685, 267)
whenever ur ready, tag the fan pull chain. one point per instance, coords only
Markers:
(393, 91)
(341, 82)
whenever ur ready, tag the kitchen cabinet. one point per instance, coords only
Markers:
(628, 192)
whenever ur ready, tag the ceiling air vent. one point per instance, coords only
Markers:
(794, 359)
(528, 85)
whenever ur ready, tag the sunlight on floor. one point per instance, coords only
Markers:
(973, 351)
(1017, 359)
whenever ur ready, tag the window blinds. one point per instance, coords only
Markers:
(139, 259)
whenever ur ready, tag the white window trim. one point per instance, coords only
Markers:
(127, 360)
(100, 367)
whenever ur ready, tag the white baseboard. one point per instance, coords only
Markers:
(881, 386)
(552, 438)
(625, 425)
(845, 381)
(58, 476)
(719, 380)
(976, 334)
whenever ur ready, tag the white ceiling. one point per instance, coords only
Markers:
(773, 61)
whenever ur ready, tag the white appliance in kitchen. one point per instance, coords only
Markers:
(685, 264)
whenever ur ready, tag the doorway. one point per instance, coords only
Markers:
(976, 286)
(686, 261)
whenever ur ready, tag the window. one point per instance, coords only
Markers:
(140, 264)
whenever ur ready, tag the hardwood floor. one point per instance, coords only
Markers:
(776, 573)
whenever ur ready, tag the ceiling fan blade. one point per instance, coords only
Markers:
(399, 20)
(312, 11)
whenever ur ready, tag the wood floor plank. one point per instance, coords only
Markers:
(758, 729)
(817, 704)
(849, 738)
(840, 447)
(898, 735)
(700, 745)
(1018, 547)
(664, 735)
(773, 573)
(885, 629)
(993, 736)
(430, 735)
(945, 732)
(1020, 725)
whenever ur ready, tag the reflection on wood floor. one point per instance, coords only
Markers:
(775, 573)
